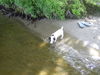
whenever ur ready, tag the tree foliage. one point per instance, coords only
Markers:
(26, 6)
(92, 6)
(77, 7)
(50, 8)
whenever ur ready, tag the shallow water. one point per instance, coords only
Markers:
(82, 57)
(78, 56)
(23, 53)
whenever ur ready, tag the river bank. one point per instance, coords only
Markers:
(72, 49)
(46, 27)
(23, 53)
(82, 44)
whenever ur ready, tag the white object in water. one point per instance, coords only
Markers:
(87, 24)
(96, 57)
(94, 45)
(83, 24)
(54, 36)
(85, 43)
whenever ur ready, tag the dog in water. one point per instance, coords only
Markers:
(54, 36)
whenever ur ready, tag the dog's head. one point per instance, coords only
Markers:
(52, 39)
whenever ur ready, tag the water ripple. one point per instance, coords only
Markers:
(82, 63)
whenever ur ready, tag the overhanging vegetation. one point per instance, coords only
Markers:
(52, 8)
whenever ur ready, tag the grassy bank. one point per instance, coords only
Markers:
(23, 53)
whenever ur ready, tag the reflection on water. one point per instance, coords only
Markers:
(42, 44)
(79, 56)
(22, 53)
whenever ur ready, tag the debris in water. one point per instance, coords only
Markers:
(83, 24)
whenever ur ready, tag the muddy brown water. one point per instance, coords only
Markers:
(19, 54)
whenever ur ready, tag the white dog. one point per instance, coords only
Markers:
(54, 36)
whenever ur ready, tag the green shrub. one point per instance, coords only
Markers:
(38, 8)
(51, 8)
(7, 3)
(91, 6)
(26, 6)
(78, 8)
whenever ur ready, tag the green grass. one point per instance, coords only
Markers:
(21, 54)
